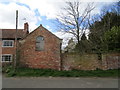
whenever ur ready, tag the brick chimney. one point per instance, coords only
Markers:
(26, 28)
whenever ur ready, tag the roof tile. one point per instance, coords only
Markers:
(10, 33)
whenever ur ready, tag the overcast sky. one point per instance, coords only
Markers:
(38, 12)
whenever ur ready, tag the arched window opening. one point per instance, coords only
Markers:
(40, 43)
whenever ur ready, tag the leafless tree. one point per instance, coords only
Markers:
(75, 18)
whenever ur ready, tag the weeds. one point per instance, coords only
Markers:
(55, 73)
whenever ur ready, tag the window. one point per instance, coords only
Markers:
(7, 43)
(6, 58)
(40, 43)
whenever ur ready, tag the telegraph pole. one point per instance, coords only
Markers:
(15, 57)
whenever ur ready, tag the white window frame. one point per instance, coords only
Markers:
(7, 55)
(7, 40)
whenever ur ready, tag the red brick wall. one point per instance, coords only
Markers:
(7, 50)
(48, 58)
(90, 61)
(110, 61)
(81, 62)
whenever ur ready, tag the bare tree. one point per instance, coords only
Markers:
(75, 18)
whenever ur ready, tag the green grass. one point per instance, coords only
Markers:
(28, 72)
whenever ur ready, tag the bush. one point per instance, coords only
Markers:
(7, 69)
(11, 73)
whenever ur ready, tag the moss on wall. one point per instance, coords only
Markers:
(89, 61)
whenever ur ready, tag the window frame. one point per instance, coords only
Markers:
(6, 55)
(36, 42)
(7, 40)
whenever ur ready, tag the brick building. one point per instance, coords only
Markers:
(38, 49)
(7, 42)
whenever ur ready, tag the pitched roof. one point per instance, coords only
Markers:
(50, 32)
(10, 33)
(41, 27)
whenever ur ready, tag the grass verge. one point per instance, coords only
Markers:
(28, 72)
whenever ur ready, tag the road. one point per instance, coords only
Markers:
(59, 82)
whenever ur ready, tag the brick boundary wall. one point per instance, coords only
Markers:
(90, 61)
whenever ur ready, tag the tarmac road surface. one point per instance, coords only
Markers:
(59, 82)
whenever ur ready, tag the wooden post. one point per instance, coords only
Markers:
(61, 57)
(15, 57)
